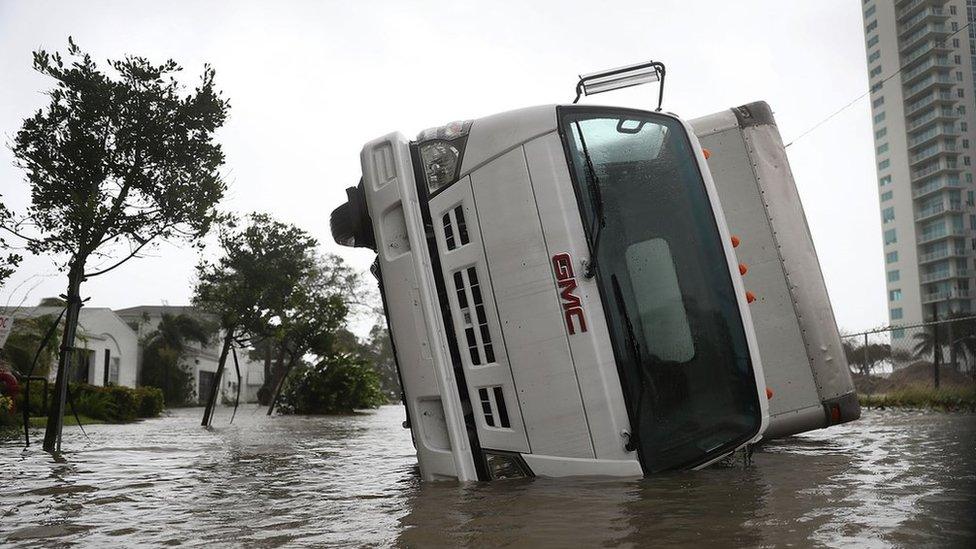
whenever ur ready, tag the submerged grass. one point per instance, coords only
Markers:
(953, 398)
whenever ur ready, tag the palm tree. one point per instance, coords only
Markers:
(163, 351)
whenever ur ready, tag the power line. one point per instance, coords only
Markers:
(858, 98)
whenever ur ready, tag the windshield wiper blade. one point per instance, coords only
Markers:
(596, 200)
(634, 347)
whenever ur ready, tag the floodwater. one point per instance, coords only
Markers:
(893, 478)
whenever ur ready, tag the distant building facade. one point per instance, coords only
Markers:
(921, 68)
(107, 348)
(200, 360)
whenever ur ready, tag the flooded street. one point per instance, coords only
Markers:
(893, 478)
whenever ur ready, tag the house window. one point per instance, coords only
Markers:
(884, 180)
(886, 196)
(879, 117)
(884, 164)
(894, 276)
(881, 133)
(894, 295)
(891, 257)
(113, 371)
(896, 314)
(874, 56)
(898, 333)
(883, 149)
(875, 71)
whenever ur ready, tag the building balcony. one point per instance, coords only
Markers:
(947, 274)
(939, 235)
(935, 15)
(941, 254)
(910, 77)
(938, 209)
(944, 147)
(953, 293)
(932, 30)
(941, 98)
(935, 115)
(940, 81)
(947, 167)
(931, 135)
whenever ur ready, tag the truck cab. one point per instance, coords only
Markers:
(562, 294)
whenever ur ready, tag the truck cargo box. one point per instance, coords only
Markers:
(803, 360)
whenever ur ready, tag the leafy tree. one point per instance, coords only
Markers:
(256, 277)
(8, 260)
(863, 363)
(119, 159)
(339, 383)
(311, 321)
(23, 342)
(163, 351)
(379, 351)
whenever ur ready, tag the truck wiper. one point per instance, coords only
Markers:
(596, 200)
(635, 352)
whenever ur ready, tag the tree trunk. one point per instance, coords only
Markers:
(279, 381)
(215, 386)
(55, 414)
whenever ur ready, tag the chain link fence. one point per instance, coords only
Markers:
(933, 354)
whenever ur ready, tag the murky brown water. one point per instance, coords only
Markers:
(893, 478)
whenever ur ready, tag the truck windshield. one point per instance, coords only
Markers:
(677, 332)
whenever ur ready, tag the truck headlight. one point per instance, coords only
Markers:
(441, 150)
(505, 465)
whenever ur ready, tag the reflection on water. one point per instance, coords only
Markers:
(893, 478)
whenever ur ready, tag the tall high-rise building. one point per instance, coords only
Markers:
(921, 67)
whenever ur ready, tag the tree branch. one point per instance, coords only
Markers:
(126, 258)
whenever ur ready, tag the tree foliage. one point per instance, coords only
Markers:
(164, 350)
(25, 339)
(8, 260)
(118, 157)
(339, 383)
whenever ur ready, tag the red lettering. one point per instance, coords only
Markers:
(562, 264)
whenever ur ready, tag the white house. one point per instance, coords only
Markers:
(201, 360)
(107, 346)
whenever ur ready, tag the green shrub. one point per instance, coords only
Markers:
(151, 402)
(8, 416)
(114, 404)
(339, 384)
(918, 396)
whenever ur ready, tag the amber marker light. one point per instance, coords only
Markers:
(707, 153)
(750, 297)
(769, 394)
(735, 241)
(743, 269)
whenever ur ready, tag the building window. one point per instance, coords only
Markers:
(879, 117)
(884, 180)
(873, 40)
(894, 295)
(877, 87)
(894, 276)
(896, 313)
(878, 102)
(890, 237)
(888, 215)
(884, 164)
(870, 11)
(871, 26)
(883, 149)
(886, 196)
(891, 257)
(881, 133)
(960, 92)
(898, 334)
(875, 71)
(874, 56)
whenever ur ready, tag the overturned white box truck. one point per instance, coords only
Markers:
(564, 296)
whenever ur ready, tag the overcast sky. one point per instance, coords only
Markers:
(311, 81)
